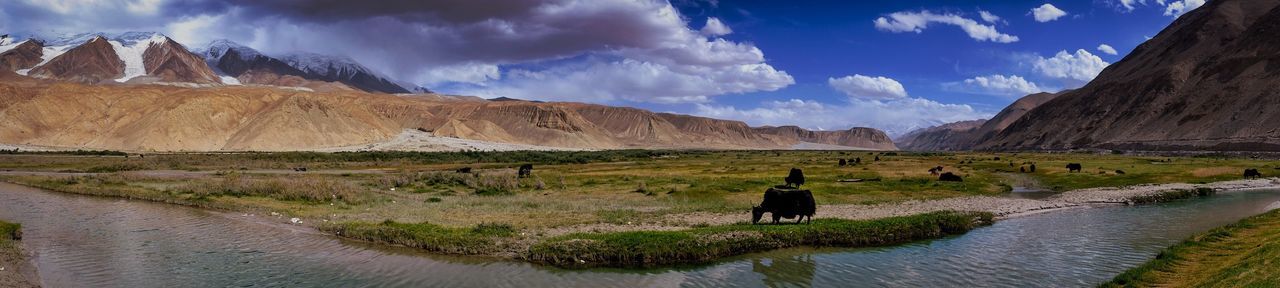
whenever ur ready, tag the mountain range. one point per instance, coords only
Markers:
(1208, 81)
(92, 91)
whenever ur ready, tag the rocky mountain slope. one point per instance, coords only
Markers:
(341, 69)
(239, 118)
(101, 58)
(1208, 81)
(965, 135)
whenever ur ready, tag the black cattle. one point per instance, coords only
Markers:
(1033, 168)
(949, 177)
(300, 169)
(525, 170)
(843, 163)
(785, 203)
(857, 160)
(463, 170)
(1075, 167)
(877, 157)
(1252, 173)
(1022, 169)
(1119, 172)
(795, 177)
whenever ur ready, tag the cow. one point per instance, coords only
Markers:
(1075, 167)
(949, 177)
(300, 169)
(463, 170)
(1033, 168)
(785, 203)
(1119, 172)
(1252, 173)
(1022, 169)
(935, 170)
(877, 157)
(795, 177)
(525, 170)
(857, 160)
(843, 162)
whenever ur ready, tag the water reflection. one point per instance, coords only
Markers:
(794, 271)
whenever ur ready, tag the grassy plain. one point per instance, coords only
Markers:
(417, 199)
(1244, 254)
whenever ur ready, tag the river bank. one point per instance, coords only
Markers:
(15, 266)
(1237, 255)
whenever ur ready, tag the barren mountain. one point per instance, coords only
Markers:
(92, 62)
(341, 69)
(23, 55)
(1208, 81)
(171, 62)
(317, 72)
(854, 137)
(946, 137)
(238, 118)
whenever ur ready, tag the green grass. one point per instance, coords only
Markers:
(706, 244)
(10, 231)
(483, 239)
(1244, 254)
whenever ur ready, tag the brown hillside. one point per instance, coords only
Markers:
(1208, 81)
(93, 62)
(171, 62)
(854, 137)
(24, 56)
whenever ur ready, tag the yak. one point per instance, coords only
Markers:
(463, 170)
(1075, 167)
(949, 177)
(1119, 172)
(525, 170)
(935, 170)
(1033, 168)
(843, 162)
(1252, 173)
(796, 177)
(785, 203)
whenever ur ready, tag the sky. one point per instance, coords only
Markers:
(825, 65)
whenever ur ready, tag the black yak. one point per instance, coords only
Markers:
(463, 170)
(1033, 168)
(525, 170)
(300, 169)
(1119, 172)
(1075, 167)
(785, 203)
(949, 177)
(796, 177)
(843, 163)
(1252, 173)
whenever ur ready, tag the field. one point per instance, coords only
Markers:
(1244, 254)
(420, 199)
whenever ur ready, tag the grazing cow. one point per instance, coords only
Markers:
(843, 163)
(463, 170)
(1075, 167)
(950, 177)
(1252, 173)
(1119, 172)
(795, 178)
(525, 170)
(785, 203)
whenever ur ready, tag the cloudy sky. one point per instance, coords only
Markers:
(892, 65)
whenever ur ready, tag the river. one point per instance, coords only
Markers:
(83, 241)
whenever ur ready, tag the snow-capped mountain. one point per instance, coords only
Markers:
(341, 69)
(250, 66)
(100, 57)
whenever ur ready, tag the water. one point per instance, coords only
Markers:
(101, 242)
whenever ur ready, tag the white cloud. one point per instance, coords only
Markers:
(715, 28)
(987, 16)
(611, 80)
(1001, 85)
(1177, 8)
(474, 73)
(1081, 66)
(1047, 12)
(895, 117)
(1129, 4)
(1104, 48)
(859, 86)
(900, 22)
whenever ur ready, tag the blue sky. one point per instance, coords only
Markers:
(892, 65)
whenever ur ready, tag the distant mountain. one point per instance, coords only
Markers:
(99, 57)
(965, 135)
(1206, 82)
(854, 137)
(341, 69)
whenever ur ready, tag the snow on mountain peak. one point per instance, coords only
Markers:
(219, 47)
